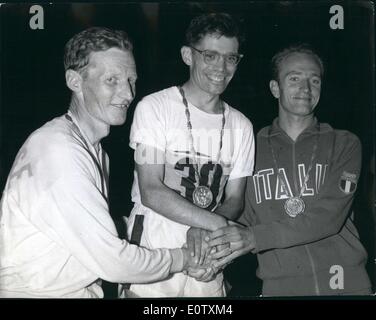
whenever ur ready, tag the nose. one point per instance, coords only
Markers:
(221, 63)
(306, 85)
(127, 91)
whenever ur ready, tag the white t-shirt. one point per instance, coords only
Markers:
(160, 121)
(56, 235)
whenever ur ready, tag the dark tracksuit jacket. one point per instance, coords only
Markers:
(304, 255)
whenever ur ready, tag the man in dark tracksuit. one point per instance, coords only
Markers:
(298, 203)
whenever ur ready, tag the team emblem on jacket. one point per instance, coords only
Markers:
(348, 182)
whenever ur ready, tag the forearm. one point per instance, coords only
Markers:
(233, 203)
(178, 209)
(91, 238)
(230, 209)
(314, 225)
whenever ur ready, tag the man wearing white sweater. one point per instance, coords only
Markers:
(57, 239)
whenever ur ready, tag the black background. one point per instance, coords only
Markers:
(33, 86)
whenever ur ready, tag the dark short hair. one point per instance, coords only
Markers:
(78, 48)
(281, 55)
(221, 24)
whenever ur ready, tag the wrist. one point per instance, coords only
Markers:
(179, 259)
(220, 222)
(252, 240)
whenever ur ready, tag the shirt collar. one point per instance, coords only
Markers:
(313, 128)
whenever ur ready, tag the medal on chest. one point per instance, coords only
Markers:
(202, 195)
(294, 206)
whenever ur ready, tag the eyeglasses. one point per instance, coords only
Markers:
(212, 57)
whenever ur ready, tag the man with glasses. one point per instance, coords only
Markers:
(193, 153)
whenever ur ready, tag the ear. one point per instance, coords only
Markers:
(274, 88)
(73, 80)
(186, 54)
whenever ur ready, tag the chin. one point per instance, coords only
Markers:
(304, 107)
(118, 122)
(306, 112)
(217, 89)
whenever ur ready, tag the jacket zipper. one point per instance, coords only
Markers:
(293, 170)
(316, 283)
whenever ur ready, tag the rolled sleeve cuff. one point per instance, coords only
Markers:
(177, 260)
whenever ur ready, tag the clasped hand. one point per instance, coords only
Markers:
(213, 251)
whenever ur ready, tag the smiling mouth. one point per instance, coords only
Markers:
(303, 98)
(216, 78)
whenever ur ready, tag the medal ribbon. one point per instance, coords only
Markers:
(102, 171)
(189, 126)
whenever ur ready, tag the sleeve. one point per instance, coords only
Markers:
(148, 126)
(328, 211)
(244, 153)
(73, 212)
(248, 217)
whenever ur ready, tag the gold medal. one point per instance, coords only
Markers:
(202, 197)
(294, 206)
